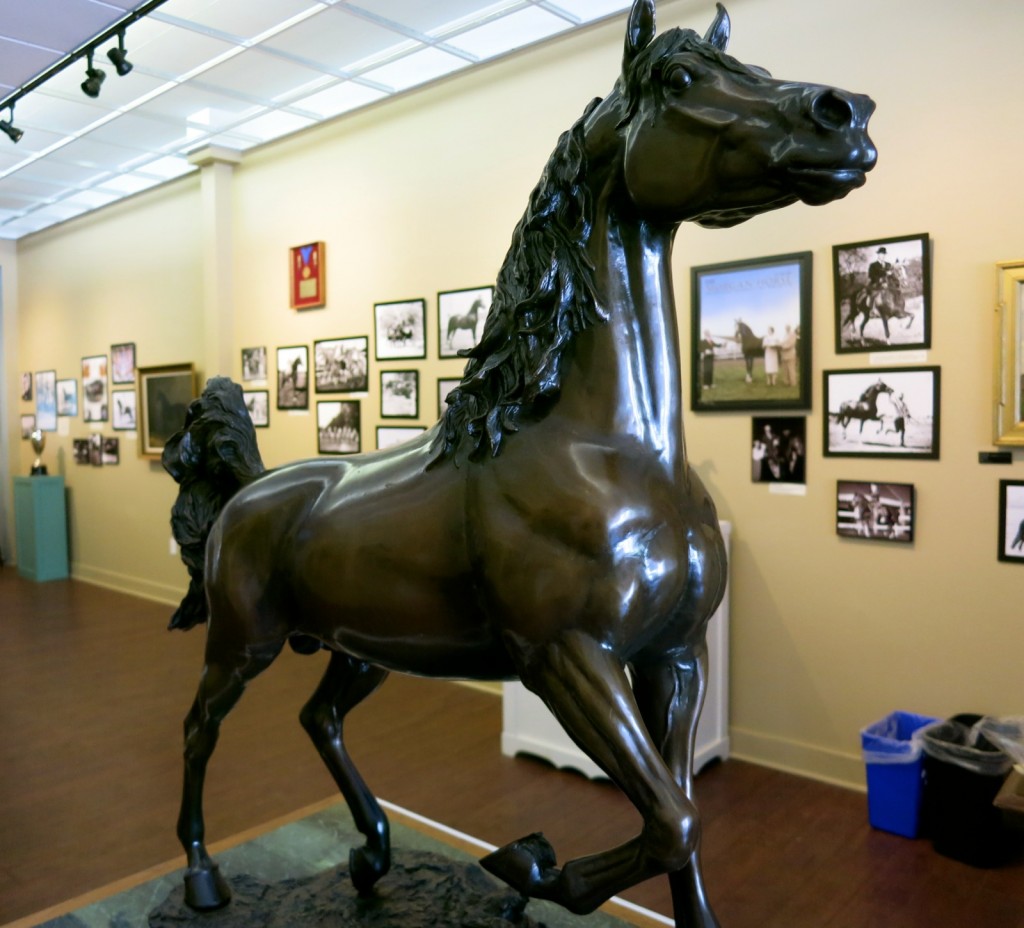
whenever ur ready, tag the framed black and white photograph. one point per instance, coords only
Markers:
(400, 329)
(751, 334)
(338, 427)
(122, 363)
(1011, 520)
(257, 402)
(94, 389)
(460, 319)
(399, 394)
(877, 510)
(445, 385)
(46, 401)
(342, 364)
(882, 412)
(28, 425)
(779, 449)
(96, 450)
(80, 450)
(124, 410)
(293, 377)
(111, 452)
(254, 364)
(883, 294)
(390, 436)
(67, 397)
(26, 387)
(165, 393)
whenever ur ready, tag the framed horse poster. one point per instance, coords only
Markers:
(877, 511)
(883, 294)
(882, 412)
(460, 319)
(1011, 520)
(750, 344)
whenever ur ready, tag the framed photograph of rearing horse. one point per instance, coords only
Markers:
(883, 294)
(750, 344)
(460, 319)
(882, 412)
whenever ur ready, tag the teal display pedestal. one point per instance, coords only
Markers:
(41, 527)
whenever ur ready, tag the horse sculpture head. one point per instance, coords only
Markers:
(708, 139)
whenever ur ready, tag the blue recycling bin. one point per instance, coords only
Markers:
(893, 758)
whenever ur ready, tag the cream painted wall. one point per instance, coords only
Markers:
(421, 194)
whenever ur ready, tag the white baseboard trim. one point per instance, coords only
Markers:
(805, 760)
(126, 583)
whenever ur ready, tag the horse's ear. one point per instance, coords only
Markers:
(639, 31)
(718, 32)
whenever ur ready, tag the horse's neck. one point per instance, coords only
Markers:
(623, 376)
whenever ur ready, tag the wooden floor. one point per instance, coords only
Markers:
(93, 691)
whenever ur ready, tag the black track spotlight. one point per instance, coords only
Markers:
(118, 57)
(94, 78)
(9, 129)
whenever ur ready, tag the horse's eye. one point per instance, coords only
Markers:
(678, 78)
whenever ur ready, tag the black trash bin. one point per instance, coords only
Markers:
(963, 772)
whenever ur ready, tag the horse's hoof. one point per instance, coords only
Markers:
(366, 866)
(525, 865)
(206, 889)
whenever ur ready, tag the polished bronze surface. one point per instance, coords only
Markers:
(549, 526)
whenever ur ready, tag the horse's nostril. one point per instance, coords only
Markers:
(831, 110)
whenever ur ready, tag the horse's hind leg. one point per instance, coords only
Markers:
(345, 684)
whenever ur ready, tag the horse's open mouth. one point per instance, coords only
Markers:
(816, 186)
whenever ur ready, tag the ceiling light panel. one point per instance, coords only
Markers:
(509, 33)
(57, 172)
(21, 63)
(335, 40)
(170, 51)
(255, 74)
(589, 10)
(139, 133)
(99, 156)
(272, 125)
(429, 18)
(47, 23)
(201, 106)
(56, 113)
(417, 68)
(242, 19)
(341, 98)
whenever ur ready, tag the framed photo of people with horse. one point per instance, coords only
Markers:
(1011, 521)
(400, 329)
(883, 294)
(882, 412)
(877, 511)
(750, 343)
(460, 319)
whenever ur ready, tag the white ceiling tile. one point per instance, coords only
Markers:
(341, 98)
(22, 62)
(430, 18)
(419, 67)
(91, 199)
(165, 168)
(201, 105)
(127, 183)
(589, 10)
(272, 125)
(255, 74)
(508, 33)
(243, 19)
(335, 39)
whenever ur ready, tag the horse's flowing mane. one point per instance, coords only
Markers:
(543, 297)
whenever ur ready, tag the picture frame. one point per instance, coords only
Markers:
(94, 388)
(67, 397)
(391, 436)
(882, 291)
(28, 425)
(342, 365)
(124, 409)
(735, 307)
(1008, 382)
(779, 449)
(257, 403)
(461, 315)
(902, 405)
(95, 449)
(307, 281)
(400, 330)
(80, 450)
(122, 363)
(875, 510)
(338, 426)
(1011, 521)
(111, 450)
(445, 385)
(164, 395)
(26, 387)
(293, 377)
(46, 401)
(400, 394)
(254, 364)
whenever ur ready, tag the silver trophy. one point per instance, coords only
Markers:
(38, 438)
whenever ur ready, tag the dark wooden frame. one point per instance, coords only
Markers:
(301, 403)
(445, 311)
(245, 396)
(360, 386)
(1006, 545)
(417, 307)
(905, 534)
(177, 383)
(322, 404)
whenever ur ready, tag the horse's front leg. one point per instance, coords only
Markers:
(586, 687)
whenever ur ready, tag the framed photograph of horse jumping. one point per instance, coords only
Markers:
(750, 345)
(883, 294)
(1011, 521)
(342, 364)
(400, 329)
(877, 511)
(460, 319)
(882, 412)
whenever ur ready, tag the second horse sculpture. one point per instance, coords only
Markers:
(548, 527)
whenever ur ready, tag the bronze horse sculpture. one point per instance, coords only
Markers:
(548, 527)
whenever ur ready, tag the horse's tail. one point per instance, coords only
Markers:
(211, 458)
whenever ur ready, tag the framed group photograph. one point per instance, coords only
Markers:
(882, 412)
(257, 403)
(342, 364)
(338, 427)
(779, 449)
(46, 401)
(308, 276)
(460, 319)
(122, 363)
(400, 329)
(94, 388)
(124, 409)
(883, 294)
(164, 396)
(293, 377)
(254, 364)
(399, 394)
(1011, 520)
(67, 397)
(751, 334)
(390, 436)
(875, 510)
